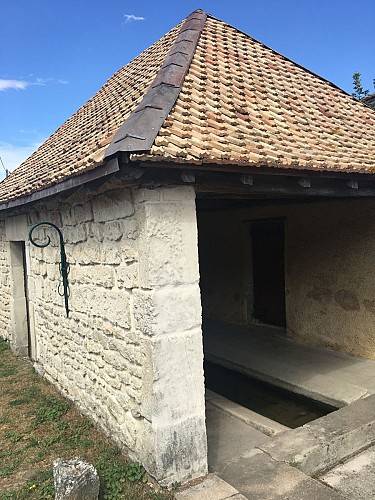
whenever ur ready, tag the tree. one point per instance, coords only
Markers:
(359, 93)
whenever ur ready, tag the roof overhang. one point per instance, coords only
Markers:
(108, 168)
(223, 180)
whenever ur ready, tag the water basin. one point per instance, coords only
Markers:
(280, 405)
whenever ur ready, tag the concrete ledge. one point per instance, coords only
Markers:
(257, 351)
(322, 444)
(322, 388)
(249, 417)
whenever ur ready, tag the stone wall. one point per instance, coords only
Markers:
(130, 354)
(5, 285)
(329, 270)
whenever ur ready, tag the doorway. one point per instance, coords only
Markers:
(21, 334)
(268, 249)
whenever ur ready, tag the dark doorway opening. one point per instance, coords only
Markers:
(268, 247)
(26, 289)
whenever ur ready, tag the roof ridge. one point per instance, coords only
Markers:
(139, 130)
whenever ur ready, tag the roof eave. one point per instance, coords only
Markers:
(108, 168)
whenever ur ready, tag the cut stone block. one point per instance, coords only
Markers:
(75, 479)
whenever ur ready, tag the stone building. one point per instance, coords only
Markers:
(208, 136)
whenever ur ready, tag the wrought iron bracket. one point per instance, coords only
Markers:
(63, 266)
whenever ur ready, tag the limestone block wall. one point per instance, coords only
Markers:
(5, 285)
(130, 354)
(329, 270)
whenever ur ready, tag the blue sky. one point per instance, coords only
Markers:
(54, 55)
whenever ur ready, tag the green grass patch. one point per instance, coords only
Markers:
(29, 396)
(4, 346)
(51, 408)
(7, 371)
(38, 425)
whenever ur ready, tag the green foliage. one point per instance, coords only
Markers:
(8, 469)
(41, 485)
(33, 442)
(13, 436)
(77, 438)
(61, 425)
(51, 408)
(27, 397)
(7, 371)
(41, 455)
(3, 345)
(359, 92)
(158, 496)
(114, 474)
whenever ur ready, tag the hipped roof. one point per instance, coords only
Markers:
(207, 94)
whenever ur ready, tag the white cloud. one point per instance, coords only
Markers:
(131, 17)
(23, 84)
(40, 81)
(13, 155)
(13, 84)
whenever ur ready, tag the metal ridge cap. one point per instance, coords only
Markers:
(139, 130)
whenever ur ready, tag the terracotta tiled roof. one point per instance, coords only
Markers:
(79, 144)
(240, 103)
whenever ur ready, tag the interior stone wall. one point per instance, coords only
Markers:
(130, 354)
(226, 266)
(329, 270)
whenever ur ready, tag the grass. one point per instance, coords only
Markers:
(37, 425)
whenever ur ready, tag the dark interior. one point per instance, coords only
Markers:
(267, 238)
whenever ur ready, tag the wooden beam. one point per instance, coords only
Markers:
(284, 187)
(263, 170)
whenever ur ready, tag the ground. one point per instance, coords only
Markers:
(38, 425)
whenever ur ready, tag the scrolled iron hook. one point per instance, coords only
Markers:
(63, 265)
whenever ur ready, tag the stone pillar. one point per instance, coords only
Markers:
(167, 315)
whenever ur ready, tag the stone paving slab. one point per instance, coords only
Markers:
(228, 439)
(211, 488)
(356, 477)
(259, 477)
